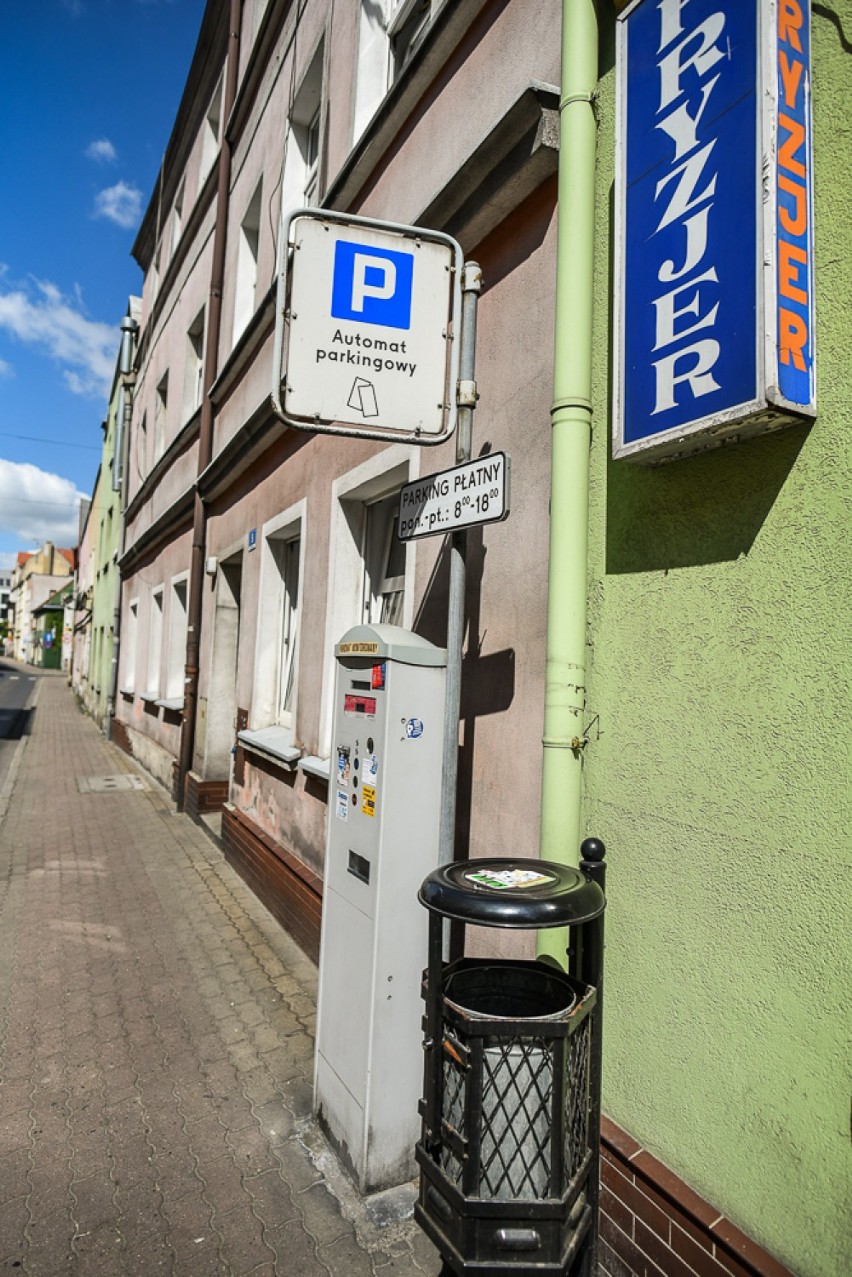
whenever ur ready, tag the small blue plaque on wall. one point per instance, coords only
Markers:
(252, 538)
(714, 293)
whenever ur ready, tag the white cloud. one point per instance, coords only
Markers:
(37, 506)
(6, 369)
(41, 316)
(121, 204)
(102, 150)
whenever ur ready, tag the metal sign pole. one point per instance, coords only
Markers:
(466, 398)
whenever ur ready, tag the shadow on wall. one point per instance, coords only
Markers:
(708, 508)
(704, 509)
(488, 682)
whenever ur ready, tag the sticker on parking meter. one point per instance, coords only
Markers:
(414, 728)
(368, 800)
(343, 765)
(509, 879)
(371, 769)
(342, 808)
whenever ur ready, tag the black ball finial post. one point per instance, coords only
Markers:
(592, 860)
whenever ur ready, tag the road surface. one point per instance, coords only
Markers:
(17, 691)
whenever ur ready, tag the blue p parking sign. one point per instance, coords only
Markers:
(372, 285)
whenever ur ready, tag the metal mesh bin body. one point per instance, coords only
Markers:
(508, 1150)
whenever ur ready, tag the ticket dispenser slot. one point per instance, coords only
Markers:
(383, 825)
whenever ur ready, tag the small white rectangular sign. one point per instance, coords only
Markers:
(475, 492)
(366, 332)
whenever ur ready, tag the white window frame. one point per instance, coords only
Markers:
(380, 590)
(300, 183)
(248, 252)
(212, 129)
(193, 378)
(272, 609)
(351, 493)
(155, 643)
(381, 60)
(161, 407)
(178, 618)
(130, 645)
(408, 23)
(177, 218)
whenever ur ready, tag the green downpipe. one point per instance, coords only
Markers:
(565, 669)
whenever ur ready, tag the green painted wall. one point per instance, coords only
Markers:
(106, 511)
(720, 653)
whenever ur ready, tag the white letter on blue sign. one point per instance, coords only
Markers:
(670, 23)
(682, 127)
(701, 381)
(683, 198)
(361, 290)
(696, 247)
(703, 59)
(668, 313)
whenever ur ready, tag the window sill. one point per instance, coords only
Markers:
(172, 703)
(127, 692)
(318, 767)
(271, 742)
(150, 698)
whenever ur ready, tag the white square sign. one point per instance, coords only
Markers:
(367, 328)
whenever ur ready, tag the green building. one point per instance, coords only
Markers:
(718, 766)
(52, 628)
(104, 538)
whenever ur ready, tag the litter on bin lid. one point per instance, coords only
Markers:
(509, 879)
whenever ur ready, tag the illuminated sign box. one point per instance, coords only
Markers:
(714, 248)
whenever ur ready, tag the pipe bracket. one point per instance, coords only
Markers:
(574, 402)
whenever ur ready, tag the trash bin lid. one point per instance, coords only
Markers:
(512, 893)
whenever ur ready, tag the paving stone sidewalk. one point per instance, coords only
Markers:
(156, 1046)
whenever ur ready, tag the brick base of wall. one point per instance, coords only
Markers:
(201, 797)
(290, 890)
(654, 1225)
(119, 736)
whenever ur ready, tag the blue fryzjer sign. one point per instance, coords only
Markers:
(701, 321)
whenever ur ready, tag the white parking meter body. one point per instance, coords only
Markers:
(383, 828)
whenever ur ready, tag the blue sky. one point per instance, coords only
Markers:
(89, 93)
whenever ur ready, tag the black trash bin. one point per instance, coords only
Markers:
(509, 1149)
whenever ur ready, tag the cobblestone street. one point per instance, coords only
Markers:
(156, 1044)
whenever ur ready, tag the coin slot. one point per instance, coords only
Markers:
(359, 866)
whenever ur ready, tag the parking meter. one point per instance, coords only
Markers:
(383, 822)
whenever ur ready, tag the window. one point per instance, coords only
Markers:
(304, 139)
(409, 22)
(177, 640)
(247, 254)
(371, 573)
(130, 643)
(155, 273)
(211, 131)
(311, 142)
(287, 555)
(383, 558)
(388, 38)
(194, 367)
(160, 407)
(177, 218)
(155, 644)
(141, 447)
(277, 648)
